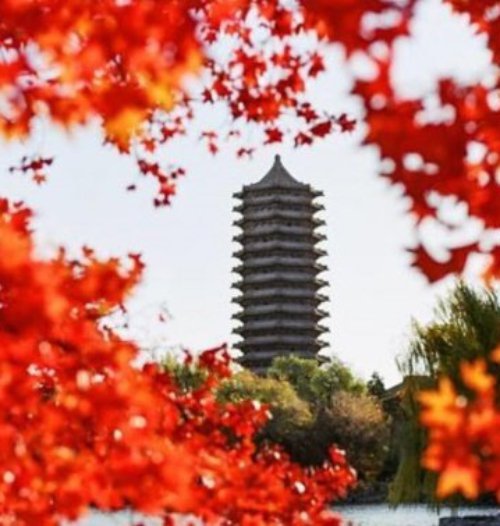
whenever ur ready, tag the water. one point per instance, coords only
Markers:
(381, 515)
(370, 515)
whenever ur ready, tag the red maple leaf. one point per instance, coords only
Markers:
(436, 270)
(273, 135)
(346, 124)
(321, 129)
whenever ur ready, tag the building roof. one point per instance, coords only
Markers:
(277, 177)
(409, 383)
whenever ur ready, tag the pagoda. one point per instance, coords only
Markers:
(278, 272)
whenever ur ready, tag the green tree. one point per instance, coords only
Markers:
(357, 422)
(376, 386)
(291, 419)
(411, 482)
(189, 376)
(393, 411)
(466, 326)
(313, 382)
(342, 413)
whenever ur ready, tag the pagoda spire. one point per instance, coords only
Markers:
(278, 176)
(279, 269)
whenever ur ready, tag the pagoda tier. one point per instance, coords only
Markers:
(267, 202)
(272, 264)
(292, 311)
(273, 248)
(274, 295)
(279, 268)
(283, 279)
(282, 343)
(271, 215)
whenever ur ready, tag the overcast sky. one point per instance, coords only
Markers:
(187, 247)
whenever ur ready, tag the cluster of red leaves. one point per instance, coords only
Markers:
(444, 152)
(264, 79)
(35, 167)
(357, 24)
(123, 60)
(80, 426)
(464, 431)
(437, 158)
(117, 60)
(126, 62)
(260, 82)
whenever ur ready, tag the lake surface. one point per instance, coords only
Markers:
(381, 515)
(370, 515)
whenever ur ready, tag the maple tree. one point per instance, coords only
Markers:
(80, 425)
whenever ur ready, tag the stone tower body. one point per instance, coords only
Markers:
(278, 272)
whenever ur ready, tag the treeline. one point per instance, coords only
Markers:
(314, 405)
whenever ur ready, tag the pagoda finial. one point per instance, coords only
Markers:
(278, 165)
(277, 176)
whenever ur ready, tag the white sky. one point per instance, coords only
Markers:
(187, 247)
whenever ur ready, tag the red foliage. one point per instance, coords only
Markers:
(346, 21)
(35, 166)
(445, 156)
(464, 432)
(126, 63)
(74, 60)
(431, 161)
(80, 426)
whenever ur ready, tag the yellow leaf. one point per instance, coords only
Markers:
(458, 479)
(121, 127)
(441, 407)
(475, 376)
